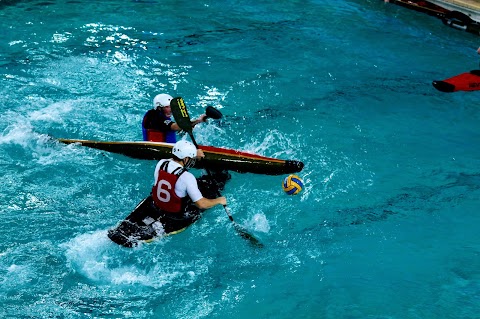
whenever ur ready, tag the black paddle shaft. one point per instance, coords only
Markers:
(180, 113)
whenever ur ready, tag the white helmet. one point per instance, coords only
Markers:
(162, 100)
(183, 149)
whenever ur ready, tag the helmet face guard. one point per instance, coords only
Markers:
(189, 162)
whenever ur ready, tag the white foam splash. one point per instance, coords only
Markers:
(273, 139)
(52, 113)
(259, 223)
(17, 133)
(94, 256)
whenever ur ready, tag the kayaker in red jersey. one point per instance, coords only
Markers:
(174, 186)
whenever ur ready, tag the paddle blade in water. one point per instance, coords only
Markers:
(243, 233)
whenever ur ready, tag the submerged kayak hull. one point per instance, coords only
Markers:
(145, 224)
(216, 158)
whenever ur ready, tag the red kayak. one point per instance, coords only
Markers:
(468, 81)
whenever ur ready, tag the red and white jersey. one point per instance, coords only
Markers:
(169, 188)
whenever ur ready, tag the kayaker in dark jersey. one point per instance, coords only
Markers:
(158, 125)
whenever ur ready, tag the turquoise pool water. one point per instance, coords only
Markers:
(386, 227)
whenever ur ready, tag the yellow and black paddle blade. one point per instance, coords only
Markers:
(180, 113)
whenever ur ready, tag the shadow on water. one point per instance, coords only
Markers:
(259, 31)
(7, 3)
(421, 199)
